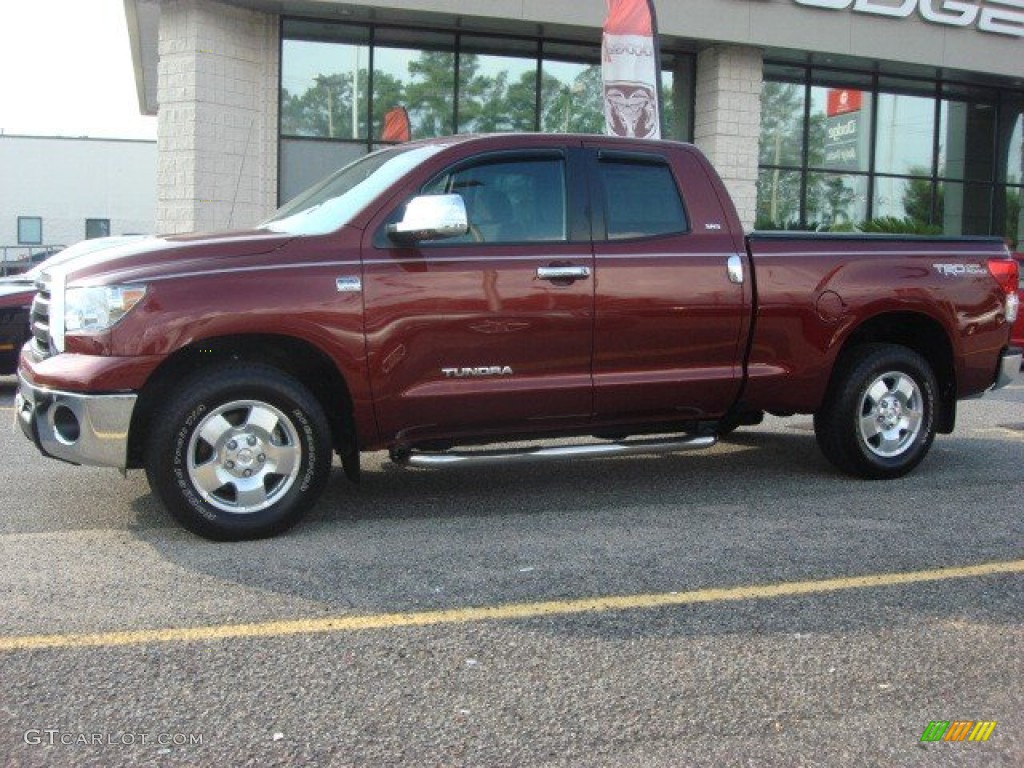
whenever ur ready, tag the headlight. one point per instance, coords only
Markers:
(98, 307)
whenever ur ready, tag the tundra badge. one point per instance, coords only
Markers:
(483, 370)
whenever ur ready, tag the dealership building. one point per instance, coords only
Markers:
(819, 114)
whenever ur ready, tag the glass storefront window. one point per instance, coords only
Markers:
(778, 199)
(782, 124)
(905, 135)
(422, 81)
(941, 158)
(1013, 147)
(964, 209)
(317, 89)
(836, 202)
(306, 161)
(571, 98)
(906, 199)
(1014, 231)
(670, 121)
(967, 133)
(340, 80)
(497, 93)
(678, 81)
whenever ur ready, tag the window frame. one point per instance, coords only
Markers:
(24, 221)
(106, 228)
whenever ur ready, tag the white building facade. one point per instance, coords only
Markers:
(57, 191)
(819, 114)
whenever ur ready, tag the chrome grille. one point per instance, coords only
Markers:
(40, 320)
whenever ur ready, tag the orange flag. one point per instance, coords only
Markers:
(396, 125)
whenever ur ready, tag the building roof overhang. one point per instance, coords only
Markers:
(880, 40)
(143, 19)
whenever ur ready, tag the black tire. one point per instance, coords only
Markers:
(242, 451)
(878, 418)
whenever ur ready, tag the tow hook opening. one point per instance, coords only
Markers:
(66, 426)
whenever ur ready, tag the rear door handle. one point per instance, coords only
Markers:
(563, 273)
(734, 268)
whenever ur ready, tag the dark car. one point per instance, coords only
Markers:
(15, 301)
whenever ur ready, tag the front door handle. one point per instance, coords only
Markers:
(563, 273)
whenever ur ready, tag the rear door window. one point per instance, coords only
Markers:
(641, 198)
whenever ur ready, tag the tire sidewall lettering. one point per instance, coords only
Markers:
(179, 462)
(184, 434)
(309, 454)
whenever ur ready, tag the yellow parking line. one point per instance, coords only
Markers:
(1007, 433)
(499, 612)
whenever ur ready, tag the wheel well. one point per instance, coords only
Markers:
(296, 357)
(926, 337)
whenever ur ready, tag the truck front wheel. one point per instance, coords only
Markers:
(241, 452)
(878, 419)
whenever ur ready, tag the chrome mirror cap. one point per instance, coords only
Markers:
(431, 217)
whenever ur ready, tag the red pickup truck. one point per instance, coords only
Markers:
(442, 295)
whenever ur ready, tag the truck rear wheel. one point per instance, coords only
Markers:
(241, 452)
(878, 419)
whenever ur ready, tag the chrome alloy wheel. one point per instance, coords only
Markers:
(244, 456)
(891, 414)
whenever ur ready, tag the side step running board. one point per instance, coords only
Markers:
(523, 455)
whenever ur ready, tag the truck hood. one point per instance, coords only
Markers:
(139, 258)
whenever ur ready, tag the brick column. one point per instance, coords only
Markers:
(217, 119)
(728, 119)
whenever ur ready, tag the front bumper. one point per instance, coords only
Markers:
(77, 428)
(1009, 367)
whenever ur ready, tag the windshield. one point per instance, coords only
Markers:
(333, 202)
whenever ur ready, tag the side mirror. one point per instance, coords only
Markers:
(431, 217)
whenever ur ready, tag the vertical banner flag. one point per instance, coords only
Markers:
(396, 125)
(630, 68)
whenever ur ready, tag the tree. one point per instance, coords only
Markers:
(782, 120)
(917, 198)
(325, 109)
(493, 104)
(430, 94)
(321, 110)
(576, 107)
(778, 192)
(521, 103)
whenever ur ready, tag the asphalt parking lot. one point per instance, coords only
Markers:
(743, 606)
